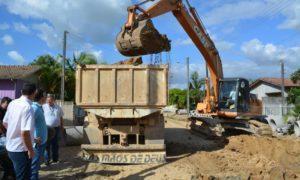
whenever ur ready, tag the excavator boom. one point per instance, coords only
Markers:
(139, 37)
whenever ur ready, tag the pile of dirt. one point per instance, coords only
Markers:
(193, 156)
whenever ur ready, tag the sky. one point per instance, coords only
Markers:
(252, 36)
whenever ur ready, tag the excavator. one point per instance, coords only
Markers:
(228, 103)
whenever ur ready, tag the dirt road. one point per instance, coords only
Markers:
(193, 156)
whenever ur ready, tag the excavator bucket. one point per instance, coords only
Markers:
(142, 39)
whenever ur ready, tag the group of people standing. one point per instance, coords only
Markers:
(30, 127)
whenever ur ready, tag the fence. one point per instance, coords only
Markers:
(273, 106)
(277, 110)
(274, 109)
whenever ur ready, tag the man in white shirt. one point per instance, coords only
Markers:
(19, 122)
(54, 120)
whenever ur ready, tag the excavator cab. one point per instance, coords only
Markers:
(234, 94)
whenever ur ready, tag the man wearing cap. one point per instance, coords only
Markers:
(54, 120)
(19, 122)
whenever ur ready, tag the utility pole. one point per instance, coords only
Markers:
(282, 86)
(62, 91)
(188, 85)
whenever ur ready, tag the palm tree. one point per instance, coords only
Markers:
(196, 82)
(83, 59)
(196, 94)
(49, 76)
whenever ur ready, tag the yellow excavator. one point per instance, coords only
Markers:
(228, 103)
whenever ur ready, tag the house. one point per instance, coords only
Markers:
(271, 87)
(12, 79)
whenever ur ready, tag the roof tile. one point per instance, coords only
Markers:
(17, 72)
(275, 82)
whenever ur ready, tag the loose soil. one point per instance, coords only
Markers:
(195, 156)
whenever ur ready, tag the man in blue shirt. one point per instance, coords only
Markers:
(54, 120)
(40, 133)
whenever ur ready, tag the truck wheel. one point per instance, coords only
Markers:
(297, 128)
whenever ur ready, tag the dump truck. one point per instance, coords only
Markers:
(124, 122)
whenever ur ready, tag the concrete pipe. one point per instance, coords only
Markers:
(297, 128)
(273, 125)
(74, 135)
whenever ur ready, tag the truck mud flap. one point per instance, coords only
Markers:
(117, 154)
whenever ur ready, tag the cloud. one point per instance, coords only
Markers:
(270, 54)
(96, 21)
(14, 55)
(183, 42)
(224, 45)
(89, 49)
(178, 76)
(48, 34)
(235, 11)
(232, 12)
(4, 26)
(293, 16)
(260, 60)
(97, 54)
(221, 45)
(7, 40)
(20, 27)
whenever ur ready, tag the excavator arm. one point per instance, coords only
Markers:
(191, 23)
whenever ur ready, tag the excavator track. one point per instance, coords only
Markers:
(215, 126)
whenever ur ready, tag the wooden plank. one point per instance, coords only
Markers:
(166, 99)
(97, 82)
(147, 86)
(78, 85)
(132, 85)
(106, 87)
(114, 81)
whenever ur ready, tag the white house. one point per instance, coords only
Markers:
(271, 87)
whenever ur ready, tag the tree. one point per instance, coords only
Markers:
(83, 59)
(294, 94)
(294, 98)
(49, 76)
(196, 82)
(295, 77)
(177, 97)
(196, 94)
